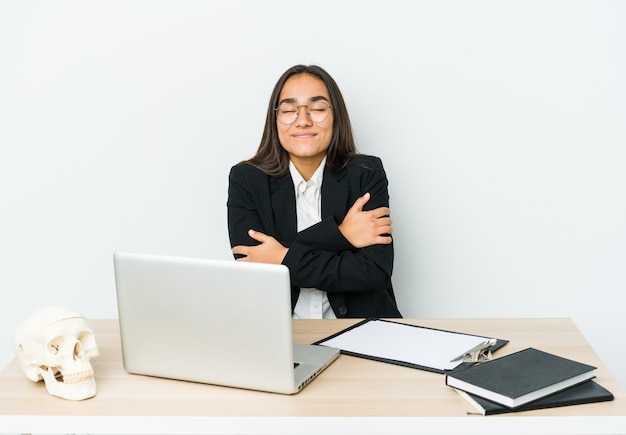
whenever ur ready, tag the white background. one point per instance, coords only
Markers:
(501, 126)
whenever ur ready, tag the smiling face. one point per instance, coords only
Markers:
(305, 141)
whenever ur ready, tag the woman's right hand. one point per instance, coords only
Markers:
(366, 228)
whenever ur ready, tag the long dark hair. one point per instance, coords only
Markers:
(272, 159)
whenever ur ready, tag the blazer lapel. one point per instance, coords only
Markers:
(283, 199)
(334, 195)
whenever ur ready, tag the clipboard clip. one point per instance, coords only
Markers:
(479, 353)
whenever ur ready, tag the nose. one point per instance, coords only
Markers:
(303, 120)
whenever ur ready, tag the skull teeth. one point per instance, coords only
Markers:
(76, 378)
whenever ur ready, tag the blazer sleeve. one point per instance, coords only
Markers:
(247, 189)
(321, 257)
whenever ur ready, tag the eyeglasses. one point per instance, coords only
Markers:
(318, 111)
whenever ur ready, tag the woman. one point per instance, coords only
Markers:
(310, 201)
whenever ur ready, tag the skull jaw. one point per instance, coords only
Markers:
(81, 390)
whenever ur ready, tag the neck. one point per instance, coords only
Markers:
(307, 167)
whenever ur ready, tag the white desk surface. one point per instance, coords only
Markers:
(353, 395)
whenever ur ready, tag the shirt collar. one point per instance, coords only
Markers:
(317, 177)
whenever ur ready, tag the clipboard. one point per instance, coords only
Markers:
(414, 346)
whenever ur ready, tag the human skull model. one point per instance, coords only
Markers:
(55, 344)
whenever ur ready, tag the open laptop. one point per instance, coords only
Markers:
(212, 321)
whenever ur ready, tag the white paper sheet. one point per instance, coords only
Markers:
(401, 342)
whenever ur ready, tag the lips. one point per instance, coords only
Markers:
(303, 135)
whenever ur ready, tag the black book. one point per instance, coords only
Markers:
(521, 377)
(587, 392)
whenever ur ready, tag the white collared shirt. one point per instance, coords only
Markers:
(312, 303)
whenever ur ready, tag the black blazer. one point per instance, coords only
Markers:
(357, 281)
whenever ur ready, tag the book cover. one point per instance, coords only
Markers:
(587, 392)
(521, 377)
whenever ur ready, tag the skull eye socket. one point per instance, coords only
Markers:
(78, 351)
(87, 339)
(87, 343)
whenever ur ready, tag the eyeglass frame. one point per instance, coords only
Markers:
(307, 111)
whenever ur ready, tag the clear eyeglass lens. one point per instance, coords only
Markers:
(317, 111)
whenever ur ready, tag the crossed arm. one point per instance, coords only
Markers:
(361, 228)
